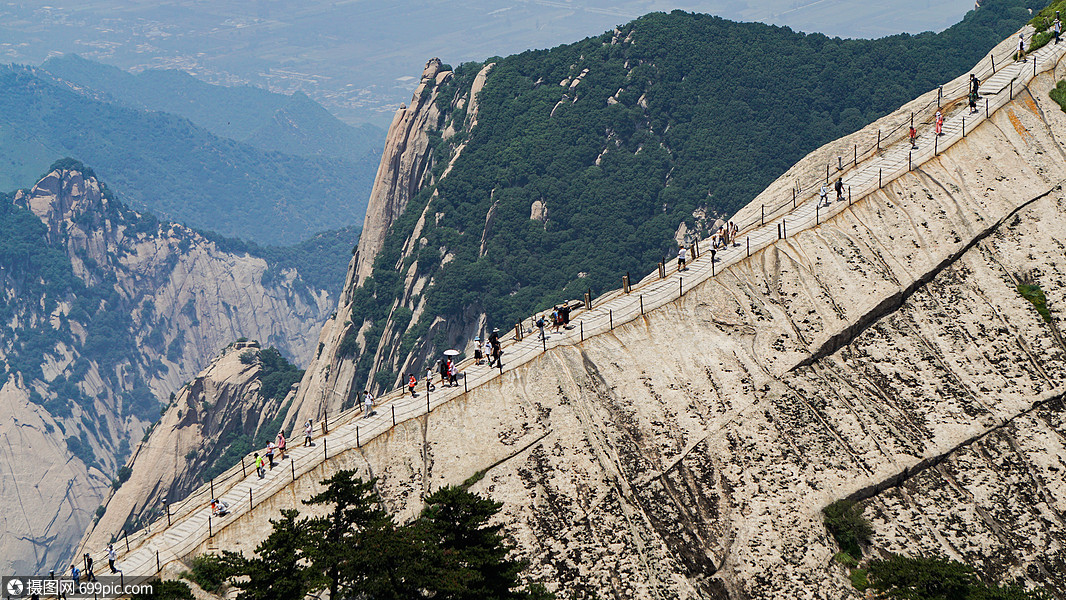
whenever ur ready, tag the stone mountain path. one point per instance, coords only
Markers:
(191, 522)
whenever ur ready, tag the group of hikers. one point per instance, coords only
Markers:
(77, 574)
(277, 446)
(720, 239)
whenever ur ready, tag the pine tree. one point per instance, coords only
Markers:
(278, 571)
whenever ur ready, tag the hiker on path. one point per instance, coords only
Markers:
(308, 430)
(368, 399)
(89, 576)
(680, 259)
(939, 123)
(111, 556)
(453, 373)
(75, 574)
(973, 102)
(444, 371)
(429, 379)
(497, 352)
(913, 134)
(487, 348)
(411, 383)
(823, 195)
(270, 454)
(1058, 27)
(281, 445)
(478, 353)
(839, 185)
(1021, 48)
(974, 84)
(540, 326)
(259, 465)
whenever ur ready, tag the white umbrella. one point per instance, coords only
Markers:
(451, 353)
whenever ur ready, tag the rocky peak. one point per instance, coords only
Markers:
(62, 198)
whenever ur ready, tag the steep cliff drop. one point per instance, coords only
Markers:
(106, 312)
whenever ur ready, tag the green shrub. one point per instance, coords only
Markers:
(248, 357)
(349, 344)
(1059, 94)
(208, 572)
(859, 580)
(1035, 295)
(848, 527)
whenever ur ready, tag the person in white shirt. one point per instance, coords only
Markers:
(681, 259)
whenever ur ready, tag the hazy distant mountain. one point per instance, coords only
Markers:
(356, 58)
(176, 169)
(291, 124)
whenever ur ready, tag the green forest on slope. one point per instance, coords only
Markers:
(165, 164)
(705, 113)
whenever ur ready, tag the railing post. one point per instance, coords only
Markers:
(157, 567)
(642, 304)
(784, 230)
(993, 65)
(816, 209)
(748, 238)
(827, 173)
(544, 342)
(394, 415)
(910, 155)
(442, 385)
(680, 287)
(588, 300)
(324, 454)
(879, 139)
(778, 231)
(964, 127)
(166, 506)
(939, 95)
(793, 197)
(762, 219)
(581, 327)
(878, 178)
(610, 316)
(936, 139)
(986, 108)
(292, 464)
(855, 159)
(251, 503)
(126, 537)
(357, 444)
(1012, 89)
(849, 195)
(212, 488)
(243, 472)
(210, 531)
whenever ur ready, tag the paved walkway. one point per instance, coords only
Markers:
(191, 524)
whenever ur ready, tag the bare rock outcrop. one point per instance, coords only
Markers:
(220, 410)
(405, 162)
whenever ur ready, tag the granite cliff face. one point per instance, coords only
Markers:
(406, 167)
(90, 352)
(884, 355)
(220, 410)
